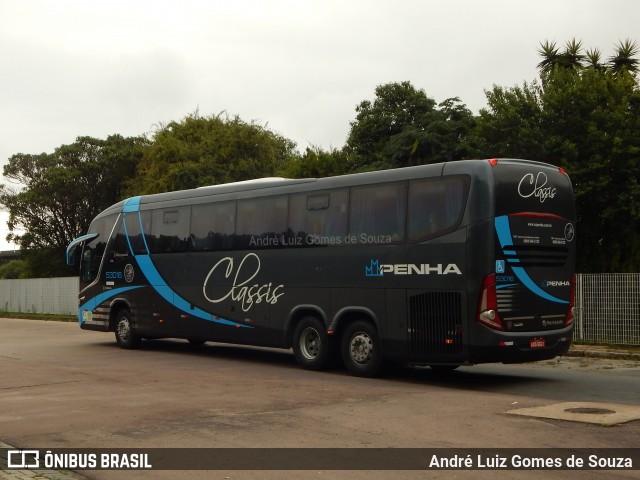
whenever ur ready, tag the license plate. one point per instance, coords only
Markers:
(537, 343)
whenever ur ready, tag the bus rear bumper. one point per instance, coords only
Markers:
(522, 347)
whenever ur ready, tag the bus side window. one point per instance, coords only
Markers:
(319, 219)
(212, 227)
(378, 213)
(169, 230)
(138, 238)
(262, 222)
(436, 206)
(119, 246)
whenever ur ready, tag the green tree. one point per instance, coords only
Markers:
(56, 195)
(316, 163)
(511, 125)
(403, 127)
(586, 120)
(592, 124)
(13, 269)
(211, 150)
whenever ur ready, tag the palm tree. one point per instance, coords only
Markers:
(550, 57)
(593, 58)
(572, 56)
(624, 59)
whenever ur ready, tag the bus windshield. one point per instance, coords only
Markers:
(94, 249)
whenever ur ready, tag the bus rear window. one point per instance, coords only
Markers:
(530, 187)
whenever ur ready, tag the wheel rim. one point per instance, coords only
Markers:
(361, 348)
(310, 343)
(124, 329)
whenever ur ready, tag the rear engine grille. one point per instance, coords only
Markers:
(435, 324)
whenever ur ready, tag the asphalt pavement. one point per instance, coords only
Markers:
(577, 350)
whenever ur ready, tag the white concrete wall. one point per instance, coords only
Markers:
(40, 295)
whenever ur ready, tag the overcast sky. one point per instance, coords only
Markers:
(82, 67)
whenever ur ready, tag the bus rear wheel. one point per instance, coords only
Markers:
(312, 346)
(361, 352)
(126, 337)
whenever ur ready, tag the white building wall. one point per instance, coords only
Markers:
(40, 295)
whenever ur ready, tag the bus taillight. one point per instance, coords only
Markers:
(572, 303)
(488, 304)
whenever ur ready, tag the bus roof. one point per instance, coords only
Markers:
(276, 185)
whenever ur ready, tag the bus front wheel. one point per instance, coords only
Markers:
(126, 337)
(311, 344)
(361, 352)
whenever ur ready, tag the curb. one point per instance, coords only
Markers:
(579, 352)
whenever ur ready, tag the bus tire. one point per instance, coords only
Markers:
(126, 337)
(361, 352)
(312, 346)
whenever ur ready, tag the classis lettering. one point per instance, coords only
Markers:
(242, 289)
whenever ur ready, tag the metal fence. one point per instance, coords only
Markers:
(608, 305)
(608, 308)
(40, 295)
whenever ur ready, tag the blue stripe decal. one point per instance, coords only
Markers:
(126, 233)
(159, 285)
(498, 287)
(149, 270)
(504, 231)
(504, 236)
(97, 300)
(131, 205)
(144, 239)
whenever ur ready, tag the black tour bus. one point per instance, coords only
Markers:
(447, 264)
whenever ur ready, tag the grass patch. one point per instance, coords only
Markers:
(39, 316)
